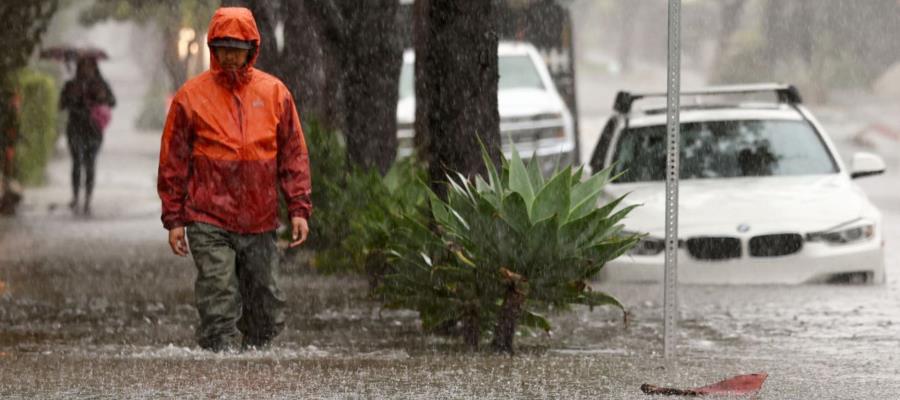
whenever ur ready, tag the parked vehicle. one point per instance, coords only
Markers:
(763, 195)
(533, 116)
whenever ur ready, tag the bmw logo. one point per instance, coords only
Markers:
(743, 228)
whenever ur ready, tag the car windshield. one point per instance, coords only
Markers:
(725, 149)
(515, 72)
(518, 72)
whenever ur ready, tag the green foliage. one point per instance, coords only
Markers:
(545, 239)
(328, 168)
(369, 208)
(819, 45)
(193, 13)
(37, 125)
(25, 22)
(354, 209)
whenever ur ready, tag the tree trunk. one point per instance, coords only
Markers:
(460, 87)
(304, 62)
(327, 28)
(508, 320)
(264, 11)
(730, 13)
(510, 312)
(420, 43)
(372, 55)
(342, 61)
(471, 328)
(175, 66)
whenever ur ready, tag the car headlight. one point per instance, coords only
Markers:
(856, 231)
(647, 246)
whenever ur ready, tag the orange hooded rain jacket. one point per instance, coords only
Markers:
(231, 139)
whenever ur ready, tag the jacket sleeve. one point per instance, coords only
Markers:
(175, 165)
(293, 161)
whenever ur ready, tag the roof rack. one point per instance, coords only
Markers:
(786, 94)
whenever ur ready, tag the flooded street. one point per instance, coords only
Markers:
(98, 307)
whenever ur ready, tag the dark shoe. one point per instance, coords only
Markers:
(87, 209)
(73, 205)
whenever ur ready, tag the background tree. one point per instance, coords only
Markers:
(170, 16)
(25, 23)
(457, 85)
(730, 13)
(366, 41)
(820, 45)
(342, 60)
(630, 14)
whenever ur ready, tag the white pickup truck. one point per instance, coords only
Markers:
(533, 116)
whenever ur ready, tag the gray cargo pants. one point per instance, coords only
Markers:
(236, 291)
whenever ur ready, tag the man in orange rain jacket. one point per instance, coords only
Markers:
(232, 138)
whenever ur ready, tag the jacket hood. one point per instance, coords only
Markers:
(235, 23)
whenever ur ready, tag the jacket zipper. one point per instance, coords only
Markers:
(240, 115)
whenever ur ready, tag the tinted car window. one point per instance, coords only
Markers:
(725, 149)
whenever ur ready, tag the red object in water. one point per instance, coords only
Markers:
(738, 385)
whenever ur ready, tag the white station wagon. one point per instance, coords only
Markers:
(763, 196)
(533, 116)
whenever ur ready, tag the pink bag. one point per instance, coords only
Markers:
(101, 114)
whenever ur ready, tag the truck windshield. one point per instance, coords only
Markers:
(725, 149)
(516, 72)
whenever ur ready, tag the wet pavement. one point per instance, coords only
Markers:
(97, 307)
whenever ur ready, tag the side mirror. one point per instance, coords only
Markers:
(866, 164)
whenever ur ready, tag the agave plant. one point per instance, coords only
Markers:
(501, 251)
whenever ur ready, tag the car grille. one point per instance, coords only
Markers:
(781, 244)
(714, 248)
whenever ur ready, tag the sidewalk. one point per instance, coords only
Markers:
(125, 207)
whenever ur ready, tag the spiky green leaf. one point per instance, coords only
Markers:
(553, 198)
(519, 181)
(585, 194)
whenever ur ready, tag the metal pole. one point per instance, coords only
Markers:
(673, 90)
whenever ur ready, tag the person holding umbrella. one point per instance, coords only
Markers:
(88, 99)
